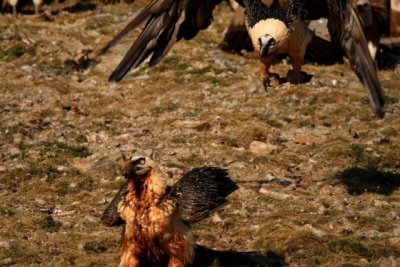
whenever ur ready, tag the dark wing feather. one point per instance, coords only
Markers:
(110, 216)
(150, 9)
(201, 191)
(168, 21)
(345, 26)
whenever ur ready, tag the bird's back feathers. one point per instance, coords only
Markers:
(257, 11)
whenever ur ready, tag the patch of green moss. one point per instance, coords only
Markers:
(23, 254)
(168, 107)
(49, 224)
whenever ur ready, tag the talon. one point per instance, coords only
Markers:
(266, 82)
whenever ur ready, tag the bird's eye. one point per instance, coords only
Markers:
(142, 161)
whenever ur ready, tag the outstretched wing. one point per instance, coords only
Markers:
(111, 216)
(200, 192)
(344, 26)
(167, 22)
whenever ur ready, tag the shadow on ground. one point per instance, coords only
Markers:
(362, 180)
(214, 258)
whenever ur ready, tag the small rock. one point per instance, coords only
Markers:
(396, 232)
(192, 124)
(262, 148)
(7, 261)
(237, 165)
(315, 231)
(81, 246)
(14, 152)
(20, 166)
(395, 241)
(5, 244)
(103, 201)
(40, 201)
(388, 261)
(75, 78)
(215, 218)
(33, 154)
(93, 138)
(17, 138)
(374, 234)
(61, 168)
(89, 218)
(393, 215)
(275, 195)
(27, 68)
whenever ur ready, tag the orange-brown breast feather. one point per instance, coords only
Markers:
(153, 233)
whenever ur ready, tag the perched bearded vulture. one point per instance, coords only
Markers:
(157, 217)
(168, 21)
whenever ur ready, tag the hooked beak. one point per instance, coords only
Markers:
(266, 43)
(129, 170)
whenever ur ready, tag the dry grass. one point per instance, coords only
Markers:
(329, 195)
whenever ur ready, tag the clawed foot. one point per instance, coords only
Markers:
(291, 77)
(267, 81)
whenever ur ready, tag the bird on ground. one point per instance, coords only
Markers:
(168, 21)
(157, 218)
(278, 31)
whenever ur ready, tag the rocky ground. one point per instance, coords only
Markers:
(319, 176)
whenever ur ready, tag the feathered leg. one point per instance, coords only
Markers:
(266, 63)
(295, 76)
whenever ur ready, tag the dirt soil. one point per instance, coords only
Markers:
(319, 176)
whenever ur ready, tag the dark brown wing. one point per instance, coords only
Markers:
(345, 27)
(111, 216)
(200, 192)
(167, 22)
